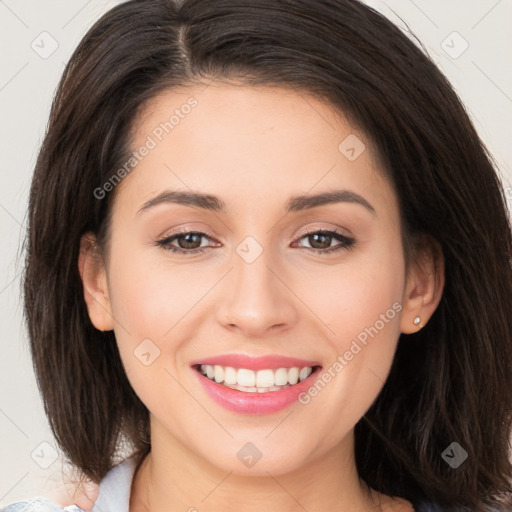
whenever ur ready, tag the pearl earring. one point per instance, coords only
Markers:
(417, 320)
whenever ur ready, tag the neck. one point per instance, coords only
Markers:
(172, 478)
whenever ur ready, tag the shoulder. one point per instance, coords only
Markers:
(114, 494)
(38, 505)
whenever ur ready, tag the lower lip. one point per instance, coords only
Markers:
(254, 403)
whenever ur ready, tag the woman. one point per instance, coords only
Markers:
(268, 252)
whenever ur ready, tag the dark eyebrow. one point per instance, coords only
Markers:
(197, 199)
(294, 204)
(298, 203)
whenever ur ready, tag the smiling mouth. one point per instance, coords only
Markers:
(252, 381)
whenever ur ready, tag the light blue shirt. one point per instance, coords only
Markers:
(114, 494)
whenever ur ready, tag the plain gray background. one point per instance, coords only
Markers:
(37, 38)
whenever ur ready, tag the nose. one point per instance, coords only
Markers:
(257, 299)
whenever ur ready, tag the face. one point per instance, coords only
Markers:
(323, 282)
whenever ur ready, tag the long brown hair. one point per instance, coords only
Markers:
(450, 382)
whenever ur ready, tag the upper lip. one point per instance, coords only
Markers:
(256, 363)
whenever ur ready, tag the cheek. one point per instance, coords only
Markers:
(362, 310)
(149, 299)
(350, 299)
(145, 306)
(155, 303)
(150, 295)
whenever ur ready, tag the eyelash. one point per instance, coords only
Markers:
(347, 242)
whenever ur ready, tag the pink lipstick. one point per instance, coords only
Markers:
(249, 385)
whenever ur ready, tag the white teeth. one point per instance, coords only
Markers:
(246, 378)
(293, 376)
(229, 375)
(281, 376)
(209, 371)
(265, 378)
(259, 381)
(305, 373)
(218, 372)
(254, 389)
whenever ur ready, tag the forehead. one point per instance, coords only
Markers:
(246, 143)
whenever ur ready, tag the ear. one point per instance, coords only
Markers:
(424, 285)
(94, 279)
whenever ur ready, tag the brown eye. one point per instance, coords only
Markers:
(320, 241)
(189, 242)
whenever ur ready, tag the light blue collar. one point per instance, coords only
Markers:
(114, 495)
